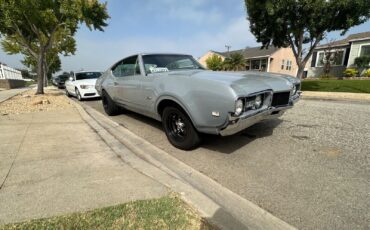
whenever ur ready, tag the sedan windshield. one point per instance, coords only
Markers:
(87, 75)
(168, 62)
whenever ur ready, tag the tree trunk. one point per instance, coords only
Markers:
(45, 74)
(300, 71)
(40, 73)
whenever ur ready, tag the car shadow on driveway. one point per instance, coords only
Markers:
(230, 144)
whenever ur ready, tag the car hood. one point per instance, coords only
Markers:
(245, 82)
(86, 82)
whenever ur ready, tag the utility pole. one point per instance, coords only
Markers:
(228, 50)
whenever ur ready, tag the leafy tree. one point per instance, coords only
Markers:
(41, 28)
(302, 24)
(214, 62)
(331, 56)
(235, 62)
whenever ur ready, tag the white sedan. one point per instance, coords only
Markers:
(82, 85)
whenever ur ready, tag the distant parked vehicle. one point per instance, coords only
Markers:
(59, 81)
(82, 85)
(177, 90)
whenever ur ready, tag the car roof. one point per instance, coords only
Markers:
(89, 71)
(161, 54)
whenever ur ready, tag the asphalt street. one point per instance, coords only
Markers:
(311, 167)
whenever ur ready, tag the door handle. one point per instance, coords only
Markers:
(115, 83)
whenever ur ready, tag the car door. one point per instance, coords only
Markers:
(126, 82)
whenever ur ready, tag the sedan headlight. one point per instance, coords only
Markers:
(86, 86)
(294, 90)
(239, 107)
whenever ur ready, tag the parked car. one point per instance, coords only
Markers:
(82, 85)
(189, 100)
(59, 81)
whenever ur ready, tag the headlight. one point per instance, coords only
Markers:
(294, 90)
(86, 86)
(239, 107)
(258, 102)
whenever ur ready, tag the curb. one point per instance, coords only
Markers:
(335, 100)
(340, 97)
(216, 203)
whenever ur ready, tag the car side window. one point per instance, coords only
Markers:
(126, 67)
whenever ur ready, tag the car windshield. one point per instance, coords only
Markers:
(168, 62)
(63, 77)
(87, 75)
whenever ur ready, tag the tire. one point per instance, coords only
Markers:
(67, 93)
(109, 105)
(78, 95)
(179, 129)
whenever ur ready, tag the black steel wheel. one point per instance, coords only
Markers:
(109, 105)
(179, 129)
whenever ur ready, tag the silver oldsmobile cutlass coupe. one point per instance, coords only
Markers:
(189, 100)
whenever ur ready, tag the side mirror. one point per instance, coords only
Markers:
(71, 78)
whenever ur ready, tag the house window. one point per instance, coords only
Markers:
(282, 64)
(263, 64)
(256, 64)
(335, 58)
(289, 65)
(365, 50)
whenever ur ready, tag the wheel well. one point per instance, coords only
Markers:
(165, 103)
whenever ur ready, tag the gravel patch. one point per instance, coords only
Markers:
(28, 102)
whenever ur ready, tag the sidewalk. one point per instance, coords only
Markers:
(6, 94)
(53, 163)
(336, 96)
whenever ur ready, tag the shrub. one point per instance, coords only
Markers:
(362, 62)
(350, 73)
(214, 62)
(367, 73)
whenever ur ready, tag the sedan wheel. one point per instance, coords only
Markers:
(78, 95)
(179, 129)
(67, 93)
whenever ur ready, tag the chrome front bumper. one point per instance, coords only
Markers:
(237, 124)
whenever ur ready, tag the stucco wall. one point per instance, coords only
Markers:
(355, 51)
(278, 57)
(202, 60)
(11, 83)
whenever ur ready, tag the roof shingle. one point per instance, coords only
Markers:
(250, 52)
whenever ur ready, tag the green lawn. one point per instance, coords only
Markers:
(351, 86)
(169, 212)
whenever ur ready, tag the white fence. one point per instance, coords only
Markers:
(7, 72)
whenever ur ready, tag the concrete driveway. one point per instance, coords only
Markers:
(310, 168)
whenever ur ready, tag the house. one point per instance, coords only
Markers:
(10, 77)
(346, 51)
(273, 59)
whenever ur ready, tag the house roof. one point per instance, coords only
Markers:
(347, 40)
(251, 52)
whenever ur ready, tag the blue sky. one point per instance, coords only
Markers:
(186, 26)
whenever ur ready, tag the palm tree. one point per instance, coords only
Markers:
(235, 62)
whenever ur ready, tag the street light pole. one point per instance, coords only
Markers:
(228, 50)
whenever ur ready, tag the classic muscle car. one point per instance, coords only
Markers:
(189, 100)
